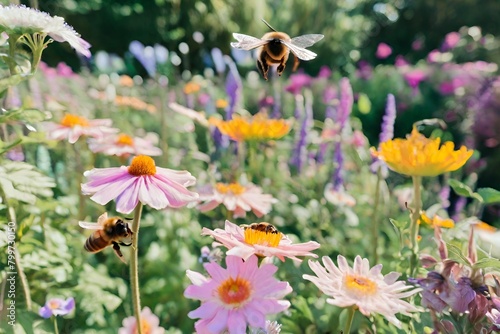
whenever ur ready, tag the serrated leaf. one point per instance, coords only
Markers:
(21, 181)
(23, 115)
(489, 195)
(487, 263)
(455, 253)
(463, 190)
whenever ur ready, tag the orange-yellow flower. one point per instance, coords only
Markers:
(258, 127)
(221, 103)
(420, 156)
(191, 87)
(436, 221)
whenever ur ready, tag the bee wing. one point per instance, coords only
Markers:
(246, 42)
(299, 52)
(305, 41)
(90, 226)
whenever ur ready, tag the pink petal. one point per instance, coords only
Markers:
(151, 194)
(219, 322)
(254, 316)
(129, 198)
(217, 273)
(236, 323)
(207, 310)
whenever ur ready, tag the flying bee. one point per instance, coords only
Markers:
(112, 231)
(262, 227)
(274, 48)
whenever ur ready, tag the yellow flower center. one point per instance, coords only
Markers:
(263, 238)
(70, 120)
(259, 127)
(234, 188)
(234, 291)
(360, 286)
(421, 156)
(145, 326)
(54, 304)
(142, 165)
(125, 140)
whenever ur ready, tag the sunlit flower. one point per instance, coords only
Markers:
(191, 88)
(420, 156)
(363, 287)
(141, 181)
(18, 20)
(258, 127)
(57, 306)
(436, 221)
(221, 103)
(72, 127)
(149, 322)
(237, 297)
(124, 145)
(383, 51)
(244, 241)
(236, 198)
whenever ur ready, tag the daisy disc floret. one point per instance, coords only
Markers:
(258, 127)
(363, 287)
(421, 156)
(18, 20)
(141, 181)
(237, 297)
(244, 241)
(237, 198)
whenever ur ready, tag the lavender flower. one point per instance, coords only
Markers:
(218, 59)
(388, 120)
(149, 56)
(337, 177)
(233, 87)
(346, 102)
(299, 154)
(57, 306)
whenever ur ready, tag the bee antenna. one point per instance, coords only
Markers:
(268, 25)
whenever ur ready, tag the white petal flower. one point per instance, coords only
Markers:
(23, 20)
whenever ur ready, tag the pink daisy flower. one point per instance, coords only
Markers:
(149, 322)
(261, 239)
(234, 298)
(72, 127)
(383, 51)
(236, 198)
(363, 287)
(123, 145)
(141, 181)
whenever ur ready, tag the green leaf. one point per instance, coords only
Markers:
(300, 304)
(463, 190)
(487, 263)
(455, 253)
(397, 224)
(489, 195)
(23, 115)
(12, 81)
(9, 146)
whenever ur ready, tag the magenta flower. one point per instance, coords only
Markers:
(297, 82)
(415, 77)
(149, 322)
(57, 306)
(383, 51)
(141, 181)
(401, 61)
(123, 145)
(450, 41)
(72, 127)
(237, 297)
(244, 241)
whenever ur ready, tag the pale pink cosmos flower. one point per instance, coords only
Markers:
(383, 51)
(244, 241)
(149, 322)
(141, 181)
(123, 145)
(236, 298)
(237, 198)
(363, 287)
(72, 127)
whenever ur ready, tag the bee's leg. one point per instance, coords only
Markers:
(124, 244)
(281, 66)
(296, 63)
(118, 252)
(262, 64)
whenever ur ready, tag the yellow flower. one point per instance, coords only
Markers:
(191, 88)
(420, 156)
(258, 127)
(436, 221)
(221, 103)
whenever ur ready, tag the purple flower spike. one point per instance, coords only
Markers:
(388, 120)
(57, 306)
(218, 59)
(233, 87)
(346, 101)
(145, 55)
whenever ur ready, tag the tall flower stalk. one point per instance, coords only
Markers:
(134, 265)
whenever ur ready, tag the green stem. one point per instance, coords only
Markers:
(79, 180)
(12, 53)
(56, 329)
(11, 216)
(350, 316)
(375, 225)
(134, 272)
(415, 216)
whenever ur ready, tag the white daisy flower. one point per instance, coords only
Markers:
(20, 20)
(365, 288)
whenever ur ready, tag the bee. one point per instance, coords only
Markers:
(262, 227)
(112, 231)
(274, 48)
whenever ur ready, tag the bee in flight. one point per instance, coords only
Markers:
(112, 231)
(274, 48)
(262, 227)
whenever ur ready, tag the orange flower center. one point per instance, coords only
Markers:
(234, 291)
(359, 285)
(263, 238)
(70, 120)
(142, 165)
(234, 188)
(54, 304)
(124, 140)
(145, 326)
